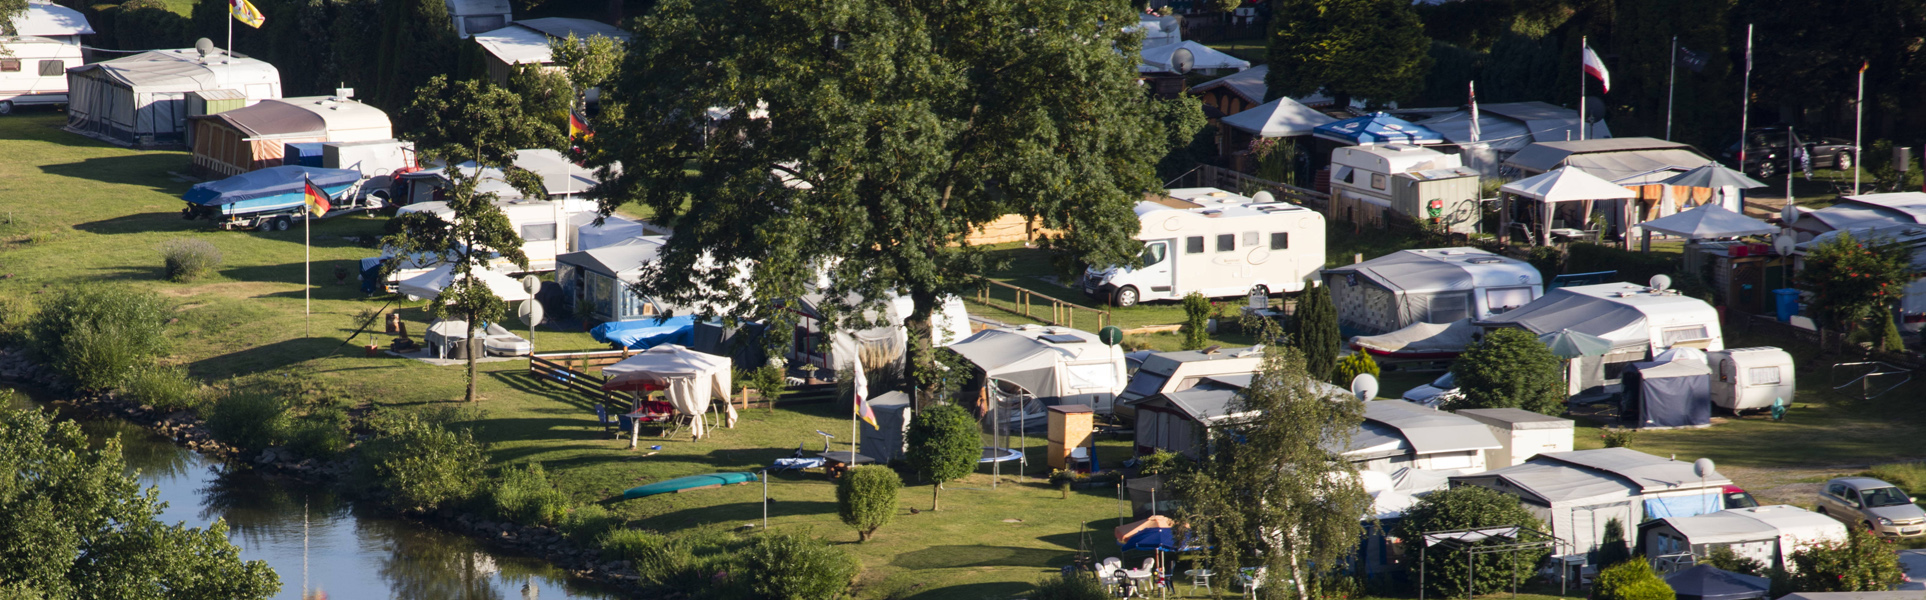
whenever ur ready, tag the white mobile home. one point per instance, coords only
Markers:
(1576, 493)
(1436, 285)
(1768, 534)
(1639, 321)
(1750, 378)
(1216, 243)
(141, 100)
(1051, 365)
(1411, 180)
(1166, 372)
(45, 44)
(539, 222)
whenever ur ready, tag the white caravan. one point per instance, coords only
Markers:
(540, 223)
(1216, 243)
(33, 70)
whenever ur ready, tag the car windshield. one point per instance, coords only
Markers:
(1740, 500)
(1886, 496)
(1443, 382)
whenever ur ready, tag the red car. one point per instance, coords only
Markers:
(1736, 497)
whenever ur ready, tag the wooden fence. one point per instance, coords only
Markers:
(572, 369)
(1229, 180)
(1029, 303)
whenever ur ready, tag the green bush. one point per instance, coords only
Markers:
(1630, 580)
(1074, 586)
(943, 445)
(1510, 368)
(1162, 462)
(186, 259)
(1724, 559)
(1314, 329)
(525, 496)
(96, 334)
(588, 523)
(164, 388)
(1549, 260)
(688, 561)
(1350, 366)
(1889, 339)
(790, 566)
(249, 419)
(653, 555)
(1196, 318)
(321, 434)
(1864, 562)
(1619, 437)
(421, 465)
(1611, 546)
(866, 498)
(1470, 507)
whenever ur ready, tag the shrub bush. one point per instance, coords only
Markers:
(1863, 563)
(1162, 462)
(1619, 437)
(249, 420)
(1630, 580)
(688, 562)
(525, 496)
(421, 465)
(1723, 558)
(96, 334)
(866, 498)
(1465, 508)
(1072, 586)
(1350, 366)
(1510, 368)
(164, 388)
(187, 259)
(790, 566)
(1611, 546)
(1196, 318)
(321, 434)
(588, 523)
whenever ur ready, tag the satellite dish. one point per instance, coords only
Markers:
(530, 313)
(1789, 214)
(1661, 282)
(1181, 59)
(531, 283)
(1364, 386)
(1702, 467)
(1263, 197)
(204, 46)
(1783, 244)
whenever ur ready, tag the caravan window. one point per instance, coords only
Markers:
(1446, 308)
(1194, 244)
(1675, 335)
(1280, 241)
(1504, 299)
(538, 232)
(484, 23)
(53, 68)
(1226, 242)
(1377, 181)
(1762, 376)
(9, 65)
(1344, 175)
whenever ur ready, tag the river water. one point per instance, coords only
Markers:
(345, 552)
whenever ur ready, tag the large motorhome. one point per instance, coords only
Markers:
(33, 70)
(1216, 243)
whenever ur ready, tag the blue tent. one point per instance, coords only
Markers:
(1377, 128)
(1158, 539)
(646, 333)
(270, 183)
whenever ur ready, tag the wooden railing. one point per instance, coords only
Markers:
(1233, 181)
(571, 369)
(1036, 306)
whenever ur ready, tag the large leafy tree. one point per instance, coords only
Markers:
(943, 446)
(1279, 494)
(1375, 49)
(1510, 368)
(860, 141)
(1852, 280)
(78, 525)
(473, 237)
(1467, 507)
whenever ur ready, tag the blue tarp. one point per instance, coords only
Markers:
(269, 182)
(646, 333)
(1158, 538)
(1377, 128)
(305, 154)
(1684, 506)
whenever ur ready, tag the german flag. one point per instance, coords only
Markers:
(317, 200)
(578, 128)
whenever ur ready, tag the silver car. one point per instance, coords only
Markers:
(1873, 504)
(1440, 390)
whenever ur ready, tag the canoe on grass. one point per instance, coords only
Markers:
(692, 482)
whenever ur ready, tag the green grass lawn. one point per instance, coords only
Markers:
(1254, 50)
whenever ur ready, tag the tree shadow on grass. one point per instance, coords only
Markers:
(972, 591)
(148, 170)
(268, 357)
(731, 512)
(957, 557)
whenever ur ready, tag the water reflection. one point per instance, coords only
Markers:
(317, 540)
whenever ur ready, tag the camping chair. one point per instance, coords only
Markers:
(602, 416)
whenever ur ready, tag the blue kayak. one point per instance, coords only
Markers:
(692, 482)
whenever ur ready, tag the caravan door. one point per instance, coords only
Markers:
(1158, 274)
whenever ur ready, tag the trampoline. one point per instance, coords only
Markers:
(997, 455)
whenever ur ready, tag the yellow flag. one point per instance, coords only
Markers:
(245, 12)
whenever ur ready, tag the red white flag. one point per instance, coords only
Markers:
(1596, 68)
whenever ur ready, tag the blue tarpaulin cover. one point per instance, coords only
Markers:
(645, 333)
(1377, 128)
(269, 182)
(306, 154)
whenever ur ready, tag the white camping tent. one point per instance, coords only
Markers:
(1435, 285)
(430, 284)
(1049, 362)
(1278, 118)
(880, 348)
(142, 99)
(1564, 184)
(690, 379)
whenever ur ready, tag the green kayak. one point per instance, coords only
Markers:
(692, 482)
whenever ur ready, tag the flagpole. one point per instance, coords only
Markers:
(307, 258)
(1745, 98)
(1858, 118)
(230, 48)
(1671, 82)
(1792, 158)
(1581, 88)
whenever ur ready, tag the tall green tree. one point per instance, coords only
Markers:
(417, 42)
(943, 446)
(1278, 494)
(476, 120)
(861, 141)
(78, 525)
(477, 233)
(10, 9)
(1853, 280)
(1510, 368)
(1466, 507)
(1313, 328)
(1374, 49)
(586, 62)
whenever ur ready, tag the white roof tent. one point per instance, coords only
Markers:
(1638, 320)
(256, 137)
(1576, 493)
(1163, 59)
(598, 282)
(46, 19)
(691, 379)
(1864, 211)
(1504, 128)
(1177, 420)
(1434, 285)
(1561, 185)
(1620, 160)
(1398, 434)
(140, 100)
(560, 178)
(1048, 362)
(1278, 118)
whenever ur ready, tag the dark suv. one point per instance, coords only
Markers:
(1765, 152)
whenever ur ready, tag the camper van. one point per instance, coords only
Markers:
(1215, 243)
(34, 68)
(1750, 378)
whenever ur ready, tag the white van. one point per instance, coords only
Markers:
(1216, 243)
(34, 69)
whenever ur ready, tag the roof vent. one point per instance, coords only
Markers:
(1484, 260)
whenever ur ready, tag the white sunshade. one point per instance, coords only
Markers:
(1709, 221)
(1282, 117)
(1566, 184)
(430, 284)
(1202, 57)
(691, 379)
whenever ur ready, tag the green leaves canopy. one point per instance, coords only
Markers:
(1510, 368)
(1314, 329)
(1466, 507)
(1852, 279)
(1375, 49)
(866, 498)
(868, 138)
(479, 121)
(77, 524)
(943, 444)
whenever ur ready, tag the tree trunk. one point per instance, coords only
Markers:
(919, 366)
(473, 374)
(934, 501)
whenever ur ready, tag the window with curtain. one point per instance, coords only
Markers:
(1503, 299)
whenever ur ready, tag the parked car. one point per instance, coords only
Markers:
(1439, 391)
(1765, 152)
(1737, 497)
(1873, 504)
